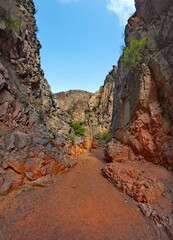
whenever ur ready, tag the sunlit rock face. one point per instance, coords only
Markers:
(143, 100)
(72, 104)
(93, 109)
(103, 101)
(31, 141)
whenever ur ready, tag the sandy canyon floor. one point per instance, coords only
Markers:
(81, 205)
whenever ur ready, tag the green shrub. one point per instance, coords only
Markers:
(78, 128)
(135, 54)
(11, 23)
(106, 135)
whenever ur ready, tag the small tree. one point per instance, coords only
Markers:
(135, 54)
(78, 128)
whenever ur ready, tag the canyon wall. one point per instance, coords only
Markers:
(93, 109)
(37, 142)
(32, 137)
(143, 102)
(71, 105)
(99, 114)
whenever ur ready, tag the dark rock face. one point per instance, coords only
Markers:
(31, 143)
(143, 100)
(149, 10)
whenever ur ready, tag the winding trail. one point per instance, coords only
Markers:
(81, 205)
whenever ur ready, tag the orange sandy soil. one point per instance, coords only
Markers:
(80, 205)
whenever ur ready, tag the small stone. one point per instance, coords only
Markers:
(42, 182)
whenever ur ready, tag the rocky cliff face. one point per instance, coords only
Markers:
(99, 114)
(94, 109)
(36, 139)
(31, 144)
(143, 101)
(72, 104)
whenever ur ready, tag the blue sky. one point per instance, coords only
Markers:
(80, 40)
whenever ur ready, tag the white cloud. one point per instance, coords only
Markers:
(122, 8)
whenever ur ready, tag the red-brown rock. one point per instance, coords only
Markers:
(41, 182)
(117, 152)
(137, 184)
(143, 99)
(11, 180)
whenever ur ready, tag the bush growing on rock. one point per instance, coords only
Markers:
(135, 54)
(78, 128)
(106, 135)
(11, 23)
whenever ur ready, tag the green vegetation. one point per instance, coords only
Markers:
(106, 135)
(11, 23)
(78, 128)
(135, 54)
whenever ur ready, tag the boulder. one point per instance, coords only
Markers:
(116, 151)
(135, 183)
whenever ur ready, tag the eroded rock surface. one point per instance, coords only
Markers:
(94, 109)
(137, 184)
(143, 100)
(32, 138)
(36, 139)
(72, 104)
(143, 115)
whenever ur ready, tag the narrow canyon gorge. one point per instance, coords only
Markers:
(81, 165)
